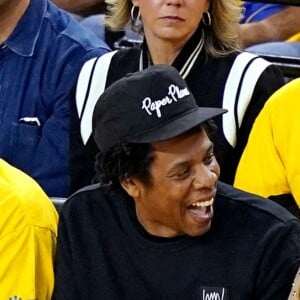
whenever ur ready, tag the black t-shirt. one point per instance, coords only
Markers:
(251, 252)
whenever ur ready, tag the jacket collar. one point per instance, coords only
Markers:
(23, 39)
(186, 58)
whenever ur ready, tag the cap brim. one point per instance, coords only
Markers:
(178, 126)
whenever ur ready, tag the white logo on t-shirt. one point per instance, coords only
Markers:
(213, 295)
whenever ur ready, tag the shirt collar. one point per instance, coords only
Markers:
(24, 37)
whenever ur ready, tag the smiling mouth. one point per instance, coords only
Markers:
(201, 211)
(202, 203)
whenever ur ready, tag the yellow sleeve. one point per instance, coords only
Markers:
(28, 229)
(260, 170)
(27, 264)
(286, 124)
(270, 163)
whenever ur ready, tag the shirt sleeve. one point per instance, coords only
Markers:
(50, 164)
(26, 269)
(280, 261)
(285, 129)
(65, 287)
(269, 81)
(269, 164)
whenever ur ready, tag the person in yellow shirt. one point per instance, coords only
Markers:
(270, 164)
(28, 229)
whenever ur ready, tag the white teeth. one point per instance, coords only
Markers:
(203, 203)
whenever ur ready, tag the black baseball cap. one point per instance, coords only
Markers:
(145, 107)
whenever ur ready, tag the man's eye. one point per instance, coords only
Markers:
(182, 173)
(210, 158)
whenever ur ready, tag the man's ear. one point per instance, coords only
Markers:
(130, 185)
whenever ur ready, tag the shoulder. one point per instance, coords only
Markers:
(89, 201)
(86, 198)
(253, 66)
(251, 77)
(281, 108)
(23, 202)
(67, 30)
(244, 65)
(127, 53)
(122, 58)
(253, 208)
(90, 85)
(96, 64)
(108, 60)
(286, 97)
(98, 72)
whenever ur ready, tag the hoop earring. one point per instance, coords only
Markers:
(135, 17)
(206, 19)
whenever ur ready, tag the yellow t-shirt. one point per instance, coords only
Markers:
(28, 228)
(270, 164)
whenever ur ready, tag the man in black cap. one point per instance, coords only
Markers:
(162, 226)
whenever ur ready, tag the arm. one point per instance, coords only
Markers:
(27, 259)
(280, 260)
(90, 85)
(65, 285)
(277, 27)
(50, 161)
(268, 82)
(286, 140)
(27, 237)
(272, 168)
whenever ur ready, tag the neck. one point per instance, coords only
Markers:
(10, 14)
(163, 54)
(164, 51)
(154, 227)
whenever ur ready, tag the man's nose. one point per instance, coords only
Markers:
(205, 177)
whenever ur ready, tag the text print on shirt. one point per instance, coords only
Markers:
(213, 293)
(174, 94)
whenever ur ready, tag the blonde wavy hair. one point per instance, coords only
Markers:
(221, 38)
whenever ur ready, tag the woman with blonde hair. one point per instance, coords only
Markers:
(200, 39)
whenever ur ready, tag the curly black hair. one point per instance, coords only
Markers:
(124, 161)
(132, 160)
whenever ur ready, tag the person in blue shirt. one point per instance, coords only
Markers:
(257, 11)
(42, 49)
(271, 29)
(82, 8)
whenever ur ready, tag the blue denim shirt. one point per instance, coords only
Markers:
(257, 11)
(39, 65)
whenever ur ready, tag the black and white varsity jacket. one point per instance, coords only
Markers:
(239, 82)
